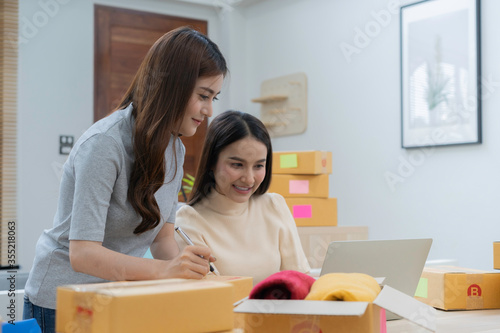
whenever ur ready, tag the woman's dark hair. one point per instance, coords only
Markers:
(159, 94)
(226, 128)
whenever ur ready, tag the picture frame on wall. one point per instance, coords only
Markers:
(440, 73)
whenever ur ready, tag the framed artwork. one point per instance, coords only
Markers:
(440, 73)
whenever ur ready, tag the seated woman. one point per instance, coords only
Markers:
(250, 232)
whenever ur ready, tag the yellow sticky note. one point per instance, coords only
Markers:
(288, 161)
(422, 288)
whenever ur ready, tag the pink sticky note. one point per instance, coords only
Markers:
(302, 211)
(383, 324)
(298, 186)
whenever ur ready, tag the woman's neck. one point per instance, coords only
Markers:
(224, 205)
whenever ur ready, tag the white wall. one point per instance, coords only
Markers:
(55, 96)
(354, 111)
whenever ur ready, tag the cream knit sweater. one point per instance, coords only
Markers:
(256, 238)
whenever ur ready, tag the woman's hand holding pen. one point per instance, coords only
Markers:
(190, 263)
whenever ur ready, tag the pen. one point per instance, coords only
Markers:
(188, 241)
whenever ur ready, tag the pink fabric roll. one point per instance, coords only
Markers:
(283, 285)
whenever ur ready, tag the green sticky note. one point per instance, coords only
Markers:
(288, 161)
(422, 288)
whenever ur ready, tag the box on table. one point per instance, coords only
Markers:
(271, 316)
(315, 240)
(315, 186)
(457, 288)
(312, 162)
(242, 285)
(496, 255)
(176, 305)
(313, 211)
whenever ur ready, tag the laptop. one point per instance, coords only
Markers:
(400, 261)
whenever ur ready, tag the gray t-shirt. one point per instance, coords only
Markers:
(93, 205)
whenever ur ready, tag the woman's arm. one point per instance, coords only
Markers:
(164, 246)
(92, 258)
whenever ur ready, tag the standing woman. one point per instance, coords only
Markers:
(250, 232)
(119, 188)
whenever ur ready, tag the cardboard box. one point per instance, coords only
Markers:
(176, 305)
(456, 288)
(315, 240)
(242, 285)
(496, 255)
(271, 316)
(65, 302)
(300, 186)
(309, 212)
(302, 162)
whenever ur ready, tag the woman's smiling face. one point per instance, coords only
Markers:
(240, 169)
(200, 104)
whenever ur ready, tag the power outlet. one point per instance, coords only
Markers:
(65, 144)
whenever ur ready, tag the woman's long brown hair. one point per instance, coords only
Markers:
(159, 94)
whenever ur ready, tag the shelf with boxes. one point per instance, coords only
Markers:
(302, 178)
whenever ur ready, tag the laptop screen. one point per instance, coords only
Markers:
(399, 261)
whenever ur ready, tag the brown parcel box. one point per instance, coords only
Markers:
(300, 186)
(302, 162)
(176, 305)
(283, 316)
(456, 288)
(309, 212)
(242, 285)
(496, 255)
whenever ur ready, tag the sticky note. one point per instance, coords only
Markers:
(383, 319)
(288, 161)
(422, 288)
(298, 186)
(302, 211)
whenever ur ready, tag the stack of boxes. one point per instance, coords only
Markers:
(302, 178)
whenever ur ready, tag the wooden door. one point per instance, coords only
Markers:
(122, 38)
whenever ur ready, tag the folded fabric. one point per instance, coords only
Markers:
(283, 285)
(353, 287)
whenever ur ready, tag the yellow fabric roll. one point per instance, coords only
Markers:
(352, 287)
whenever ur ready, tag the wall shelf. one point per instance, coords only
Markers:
(272, 98)
(284, 104)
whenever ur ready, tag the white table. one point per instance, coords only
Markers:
(472, 321)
